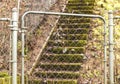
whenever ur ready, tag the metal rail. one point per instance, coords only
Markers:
(67, 14)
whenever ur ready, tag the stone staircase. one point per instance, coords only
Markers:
(60, 62)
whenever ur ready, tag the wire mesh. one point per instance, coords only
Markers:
(39, 27)
(71, 49)
(73, 53)
(116, 49)
(4, 46)
(64, 59)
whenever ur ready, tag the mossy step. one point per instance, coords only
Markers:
(73, 25)
(80, 7)
(67, 20)
(81, 1)
(75, 30)
(69, 58)
(73, 17)
(52, 81)
(80, 4)
(67, 43)
(69, 37)
(80, 11)
(57, 74)
(66, 50)
(59, 66)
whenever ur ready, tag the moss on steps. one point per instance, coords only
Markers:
(77, 25)
(63, 81)
(66, 50)
(80, 8)
(80, 4)
(81, 0)
(58, 74)
(73, 20)
(70, 37)
(60, 66)
(67, 43)
(81, 11)
(69, 58)
(75, 31)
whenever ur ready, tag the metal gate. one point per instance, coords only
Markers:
(63, 57)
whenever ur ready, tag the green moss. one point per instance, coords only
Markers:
(53, 81)
(80, 4)
(79, 7)
(76, 31)
(59, 75)
(67, 43)
(70, 37)
(69, 58)
(66, 50)
(76, 25)
(67, 19)
(82, 0)
(84, 11)
(60, 66)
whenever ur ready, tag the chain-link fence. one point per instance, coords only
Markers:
(71, 48)
(4, 46)
(117, 47)
(36, 36)
(5, 12)
(73, 54)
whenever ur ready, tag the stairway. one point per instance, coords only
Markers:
(60, 62)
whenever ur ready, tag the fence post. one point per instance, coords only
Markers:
(14, 30)
(111, 47)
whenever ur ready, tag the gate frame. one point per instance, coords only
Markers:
(23, 30)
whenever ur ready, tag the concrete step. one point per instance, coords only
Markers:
(50, 66)
(74, 30)
(65, 50)
(75, 25)
(53, 81)
(57, 74)
(80, 11)
(80, 7)
(69, 20)
(81, 1)
(80, 4)
(57, 36)
(67, 43)
(63, 58)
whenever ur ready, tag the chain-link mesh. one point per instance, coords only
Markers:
(5, 12)
(74, 51)
(71, 47)
(4, 46)
(117, 47)
(37, 35)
